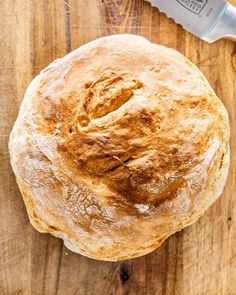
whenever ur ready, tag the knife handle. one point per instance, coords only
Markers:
(225, 27)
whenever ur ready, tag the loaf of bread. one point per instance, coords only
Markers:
(118, 145)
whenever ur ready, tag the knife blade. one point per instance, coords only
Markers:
(210, 20)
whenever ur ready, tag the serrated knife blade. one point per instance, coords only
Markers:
(210, 20)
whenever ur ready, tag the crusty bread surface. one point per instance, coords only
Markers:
(118, 145)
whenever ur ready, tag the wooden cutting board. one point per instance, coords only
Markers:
(200, 260)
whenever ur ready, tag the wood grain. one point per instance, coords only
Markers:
(200, 260)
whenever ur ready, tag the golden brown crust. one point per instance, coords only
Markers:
(118, 145)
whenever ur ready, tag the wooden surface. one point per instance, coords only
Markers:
(200, 260)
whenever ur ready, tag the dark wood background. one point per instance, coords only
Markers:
(200, 260)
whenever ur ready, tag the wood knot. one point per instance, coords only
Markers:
(124, 273)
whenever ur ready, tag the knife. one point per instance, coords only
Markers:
(210, 20)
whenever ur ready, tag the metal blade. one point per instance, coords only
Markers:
(196, 16)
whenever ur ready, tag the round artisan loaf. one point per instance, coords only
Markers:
(118, 145)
